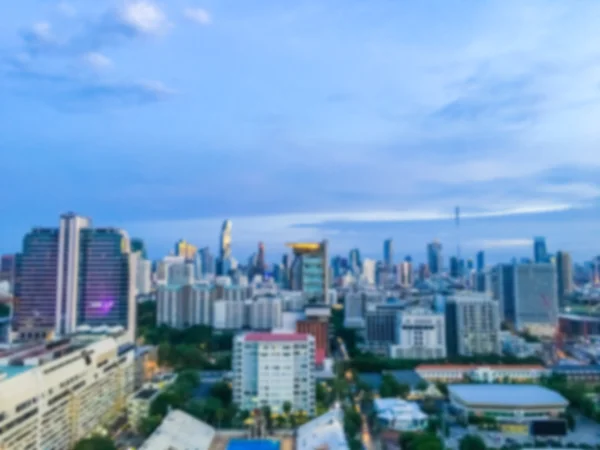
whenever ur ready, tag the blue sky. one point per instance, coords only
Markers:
(348, 120)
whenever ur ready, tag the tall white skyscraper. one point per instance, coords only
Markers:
(368, 270)
(270, 369)
(69, 261)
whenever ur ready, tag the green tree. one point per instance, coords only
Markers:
(472, 442)
(222, 391)
(352, 422)
(149, 424)
(422, 385)
(390, 387)
(95, 443)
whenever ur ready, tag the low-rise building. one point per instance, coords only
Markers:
(400, 415)
(180, 431)
(138, 406)
(455, 373)
(323, 432)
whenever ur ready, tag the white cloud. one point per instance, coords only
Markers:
(143, 17)
(583, 191)
(97, 61)
(198, 15)
(42, 31)
(157, 88)
(487, 244)
(66, 9)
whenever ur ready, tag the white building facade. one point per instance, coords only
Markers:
(270, 369)
(421, 335)
(183, 306)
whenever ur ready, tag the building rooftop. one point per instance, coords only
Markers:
(325, 431)
(275, 337)
(395, 408)
(180, 431)
(467, 367)
(146, 394)
(7, 372)
(515, 395)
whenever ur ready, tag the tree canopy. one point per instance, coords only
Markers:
(472, 442)
(95, 443)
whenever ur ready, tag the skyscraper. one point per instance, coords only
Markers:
(225, 249)
(310, 269)
(564, 273)
(454, 267)
(35, 290)
(70, 255)
(75, 275)
(261, 264)
(388, 253)
(434, 258)
(480, 261)
(540, 254)
(186, 250)
(137, 245)
(354, 261)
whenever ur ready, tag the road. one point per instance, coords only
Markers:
(365, 434)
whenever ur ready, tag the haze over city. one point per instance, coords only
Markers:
(351, 121)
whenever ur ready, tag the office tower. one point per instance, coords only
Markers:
(35, 310)
(310, 271)
(454, 267)
(225, 249)
(285, 272)
(480, 261)
(271, 369)
(405, 274)
(185, 250)
(107, 279)
(424, 272)
(527, 294)
(472, 325)
(388, 252)
(540, 254)
(421, 334)
(368, 270)
(260, 267)
(381, 327)
(182, 306)
(70, 260)
(434, 258)
(265, 313)
(208, 261)
(316, 324)
(354, 261)
(138, 246)
(469, 264)
(54, 394)
(8, 268)
(564, 273)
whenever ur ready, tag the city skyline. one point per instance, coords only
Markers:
(350, 122)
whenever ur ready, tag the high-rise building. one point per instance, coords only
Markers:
(271, 369)
(8, 267)
(480, 261)
(405, 274)
(472, 325)
(434, 258)
(70, 261)
(260, 267)
(454, 267)
(91, 271)
(35, 290)
(368, 270)
(354, 261)
(421, 334)
(186, 250)
(564, 273)
(310, 271)
(107, 280)
(225, 256)
(138, 246)
(540, 254)
(208, 261)
(182, 306)
(388, 252)
(527, 294)
(229, 315)
(381, 328)
(265, 313)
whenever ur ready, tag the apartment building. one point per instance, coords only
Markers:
(181, 306)
(270, 369)
(54, 394)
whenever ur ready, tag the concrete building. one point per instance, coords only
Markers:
(493, 373)
(310, 270)
(53, 395)
(405, 274)
(143, 281)
(472, 325)
(421, 334)
(271, 369)
(183, 306)
(229, 315)
(381, 329)
(185, 250)
(564, 276)
(316, 323)
(368, 271)
(265, 313)
(138, 406)
(323, 432)
(435, 261)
